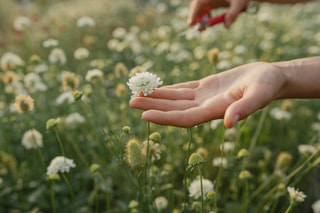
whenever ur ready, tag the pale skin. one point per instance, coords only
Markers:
(233, 94)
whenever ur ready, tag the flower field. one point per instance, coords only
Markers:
(69, 141)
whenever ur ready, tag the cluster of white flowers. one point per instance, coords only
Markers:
(219, 161)
(60, 164)
(81, 53)
(85, 21)
(296, 195)
(32, 139)
(316, 206)
(306, 149)
(195, 188)
(74, 119)
(94, 74)
(9, 59)
(57, 55)
(144, 82)
(279, 114)
(227, 146)
(161, 203)
(21, 23)
(33, 83)
(50, 43)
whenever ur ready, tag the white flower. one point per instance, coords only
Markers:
(21, 23)
(315, 126)
(9, 60)
(144, 82)
(227, 146)
(65, 97)
(219, 161)
(86, 21)
(119, 33)
(306, 149)
(161, 203)
(57, 55)
(295, 195)
(154, 149)
(316, 206)
(32, 139)
(81, 53)
(75, 118)
(60, 164)
(279, 114)
(195, 188)
(41, 68)
(33, 82)
(214, 124)
(94, 74)
(50, 43)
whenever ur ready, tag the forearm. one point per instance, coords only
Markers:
(302, 78)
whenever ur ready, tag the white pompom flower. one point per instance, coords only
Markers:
(60, 164)
(144, 82)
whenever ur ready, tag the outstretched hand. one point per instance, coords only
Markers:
(233, 94)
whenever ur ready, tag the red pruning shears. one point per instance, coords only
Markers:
(205, 20)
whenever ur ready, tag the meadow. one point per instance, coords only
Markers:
(69, 141)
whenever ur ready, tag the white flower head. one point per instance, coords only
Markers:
(279, 114)
(50, 43)
(93, 75)
(57, 55)
(86, 21)
(60, 164)
(32, 139)
(144, 82)
(10, 60)
(295, 195)
(81, 53)
(306, 149)
(75, 119)
(161, 203)
(316, 206)
(195, 188)
(219, 161)
(21, 23)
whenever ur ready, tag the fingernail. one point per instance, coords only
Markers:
(235, 120)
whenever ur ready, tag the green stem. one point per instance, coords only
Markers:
(290, 208)
(202, 202)
(59, 141)
(258, 130)
(70, 189)
(186, 166)
(220, 170)
(52, 195)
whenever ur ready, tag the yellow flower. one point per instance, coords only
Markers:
(69, 81)
(24, 103)
(214, 55)
(9, 77)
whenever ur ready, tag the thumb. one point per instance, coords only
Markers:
(236, 6)
(244, 107)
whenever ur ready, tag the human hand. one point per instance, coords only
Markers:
(198, 7)
(233, 94)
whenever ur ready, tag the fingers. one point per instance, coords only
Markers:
(173, 94)
(236, 6)
(146, 103)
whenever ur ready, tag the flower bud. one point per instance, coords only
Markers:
(243, 153)
(52, 123)
(156, 137)
(284, 161)
(211, 195)
(195, 159)
(244, 175)
(126, 129)
(94, 168)
(134, 153)
(77, 95)
(54, 177)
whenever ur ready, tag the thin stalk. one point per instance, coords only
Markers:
(202, 202)
(290, 208)
(220, 169)
(59, 141)
(258, 130)
(70, 189)
(52, 196)
(186, 166)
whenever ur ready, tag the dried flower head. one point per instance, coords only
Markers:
(60, 164)
(69, 81)
(144, 83)
(120, 70)
(9, 77)
(154, 149)
(214, 55)
(284, 161)
(161, 203)
(94, 75)
(24, 103)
